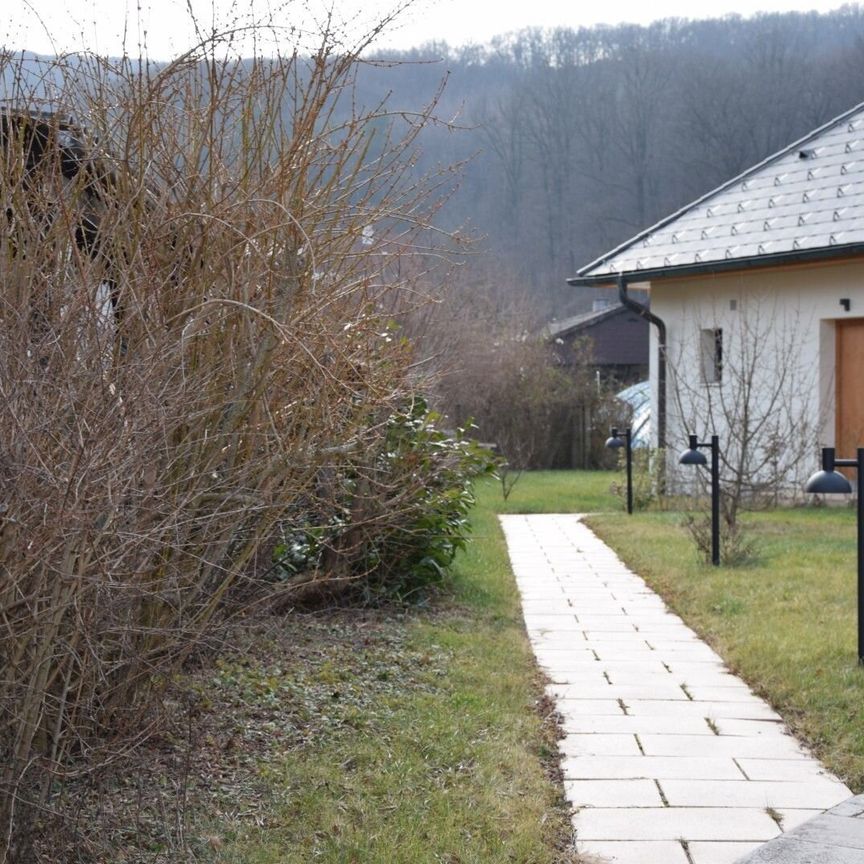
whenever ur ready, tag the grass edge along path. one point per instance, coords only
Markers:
(447, 759)
(785, 622)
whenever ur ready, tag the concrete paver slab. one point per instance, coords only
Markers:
(674, 823)
(719, 853)
(577, 664)
(602, 624)
(659, 678)
(682, 667)
(651, 767)
(665, 625)
(547, 606)
(578, 647)
(817, 793)
(736, 746)
(561, 673)
(552, 622)
(704, 677)
(801, 769)
(681, 636)
(685, 651)
(761, 728)
(597, 707)
(667, 691)
(618, 852)
(620, 639)
(681, 650)
(612, 793)
(754, 710)
(598, 744)
(638, 725)
(791, 818)
(723, 693)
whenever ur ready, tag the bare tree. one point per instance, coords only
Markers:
(497, 369)
(742, 376)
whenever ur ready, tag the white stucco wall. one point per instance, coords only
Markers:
(778, 342)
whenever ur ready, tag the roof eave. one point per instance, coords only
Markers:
(589, 321)
(777, 259)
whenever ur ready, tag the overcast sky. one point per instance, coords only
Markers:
(164, 29)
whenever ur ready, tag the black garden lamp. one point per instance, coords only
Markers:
(830, 482)
(692, 456)
(615, 442)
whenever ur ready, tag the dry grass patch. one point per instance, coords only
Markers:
(374, 736)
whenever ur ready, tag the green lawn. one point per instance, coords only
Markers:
(435, 750)
(439, 747)
(553, 492)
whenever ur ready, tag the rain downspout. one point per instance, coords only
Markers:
(649, 316)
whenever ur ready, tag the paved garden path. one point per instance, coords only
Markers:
(668, 758)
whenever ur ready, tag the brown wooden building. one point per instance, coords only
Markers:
(617, 340)
(618, 337)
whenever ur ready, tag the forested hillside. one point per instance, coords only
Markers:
(578, 138)
(547, 149)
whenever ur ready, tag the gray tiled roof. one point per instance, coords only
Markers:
(807, 197)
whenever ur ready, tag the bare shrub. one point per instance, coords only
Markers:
(647, 465)
(738, 546)
(194, 359)
(498, 371)
(758, 398)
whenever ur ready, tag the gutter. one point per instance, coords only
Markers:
(645, 312)
(726, 265)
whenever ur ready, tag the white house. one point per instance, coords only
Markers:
(757, 301)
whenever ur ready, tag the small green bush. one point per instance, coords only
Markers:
(401, 514)
(435, 470)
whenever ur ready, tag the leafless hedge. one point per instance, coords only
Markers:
(193, 356)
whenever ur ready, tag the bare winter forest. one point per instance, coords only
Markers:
(576, 139)
(570, 142)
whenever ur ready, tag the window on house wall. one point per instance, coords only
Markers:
(711, 350)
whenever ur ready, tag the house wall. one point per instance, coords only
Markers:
(778, 365)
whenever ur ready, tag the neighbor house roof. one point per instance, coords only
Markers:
(575, 323)
(619, 336)
(807, 201)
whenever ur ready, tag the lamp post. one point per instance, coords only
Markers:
(616, 443)
(829, 482)
(692, 456)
